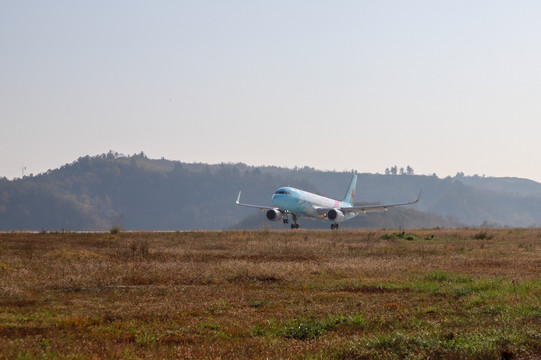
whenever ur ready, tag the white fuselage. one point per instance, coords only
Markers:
(304, 203)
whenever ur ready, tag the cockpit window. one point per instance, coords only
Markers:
(283, 192)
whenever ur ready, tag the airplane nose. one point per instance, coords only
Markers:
(278, 199)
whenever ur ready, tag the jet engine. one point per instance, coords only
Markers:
(274, 215)
(335, 215)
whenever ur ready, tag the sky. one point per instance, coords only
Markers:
(441, 86)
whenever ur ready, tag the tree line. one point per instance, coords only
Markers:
(394, 170)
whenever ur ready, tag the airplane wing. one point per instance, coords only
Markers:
(368, 208)
(259, 207)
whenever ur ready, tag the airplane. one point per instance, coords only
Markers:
(298, 203)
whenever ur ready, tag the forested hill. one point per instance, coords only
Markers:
(95, 193)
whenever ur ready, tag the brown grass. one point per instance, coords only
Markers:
(271, 294)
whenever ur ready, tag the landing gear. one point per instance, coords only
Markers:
(334, 226)
(294, 225)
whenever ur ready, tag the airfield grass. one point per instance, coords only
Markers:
(347, 294)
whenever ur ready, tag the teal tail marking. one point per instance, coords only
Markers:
(350, 194)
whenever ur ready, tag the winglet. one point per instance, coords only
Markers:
(416, 201)
(238, 199)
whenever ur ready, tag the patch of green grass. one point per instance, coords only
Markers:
(459, 292)
(463, 279)
(356, 321)
(439, 276)
(145, 338)
(209, 326)
(532, 310)
(374, 288)
(397, 345)
(303, 329)
(309, 328)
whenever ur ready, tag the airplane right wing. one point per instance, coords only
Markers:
(368, 208)
(259, 207)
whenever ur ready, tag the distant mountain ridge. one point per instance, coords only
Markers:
(159, 194)
(511, 185)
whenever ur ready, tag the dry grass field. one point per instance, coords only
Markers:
(359, 294)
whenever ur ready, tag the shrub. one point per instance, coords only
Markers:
(116, 224)
(115, 230)
(482, 235)
(399, 235)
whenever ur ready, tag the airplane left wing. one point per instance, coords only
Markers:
(368, 208)
(259, 207)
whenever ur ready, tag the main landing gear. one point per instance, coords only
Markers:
(334, 226)
(294, 225)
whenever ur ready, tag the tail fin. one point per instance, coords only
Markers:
(350, 194)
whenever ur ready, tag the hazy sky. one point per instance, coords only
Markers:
(442, 86)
